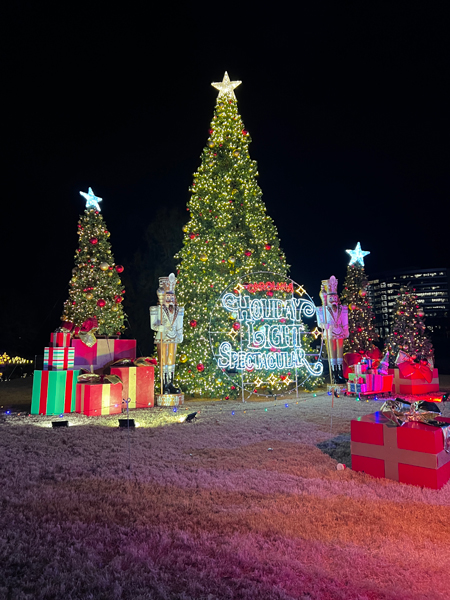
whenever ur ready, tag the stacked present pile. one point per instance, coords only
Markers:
(368, 375)
(54, 387)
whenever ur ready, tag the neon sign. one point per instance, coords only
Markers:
(270, 334)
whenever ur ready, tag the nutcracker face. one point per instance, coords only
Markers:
(169, 300)
(333, 300)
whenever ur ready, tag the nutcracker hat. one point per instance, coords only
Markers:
(331, 285)
(168, 283)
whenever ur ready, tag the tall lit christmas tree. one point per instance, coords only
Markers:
(408, 331)
(361, 319)
(95, 288)
(228, 234)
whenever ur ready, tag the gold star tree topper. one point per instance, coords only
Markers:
(226, 87)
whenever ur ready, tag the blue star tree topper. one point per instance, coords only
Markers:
(92, 201)
(357, 255)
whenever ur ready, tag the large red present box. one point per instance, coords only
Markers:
(413, 453)
(138, 385)
(103, 352)
(95, 399)
(414, 384)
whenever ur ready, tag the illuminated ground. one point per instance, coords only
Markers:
(244, 505)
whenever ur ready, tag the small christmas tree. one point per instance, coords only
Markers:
(228, 234)
(95, 288)
(408, 331)
(362, 334)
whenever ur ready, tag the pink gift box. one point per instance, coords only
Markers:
(103, 352)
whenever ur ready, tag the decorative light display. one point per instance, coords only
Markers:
(408, 331)
(5, 359)
(95, 289)
(92, 201)
(361, 320)
(273, 347)
(228, 227)
(226, 88)
(357, 255)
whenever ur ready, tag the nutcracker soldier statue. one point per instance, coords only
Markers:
(166, 320)
(332, 318)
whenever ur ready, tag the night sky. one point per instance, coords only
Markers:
(347, 106)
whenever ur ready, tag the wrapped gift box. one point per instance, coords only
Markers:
(138, 385)
(95, 399)
(53, 392)
(413, 453)
(59, 359)
(356, 388)
(103, 352)
(414, 384)
(60, 339)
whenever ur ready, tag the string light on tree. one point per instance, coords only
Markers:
(361, 320)
(228, 233)
(95, 282)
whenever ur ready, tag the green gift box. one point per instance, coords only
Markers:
(53, 392)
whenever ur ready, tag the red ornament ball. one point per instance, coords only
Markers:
(101, 302)
(193, 323)
(200, 367)
(192, 236)
(119, 268)
(236, 326)
(93, 241)
(247, 253)
(118, 299)
(270, 293)
(244, 132)
(227, 397)
(268, 247)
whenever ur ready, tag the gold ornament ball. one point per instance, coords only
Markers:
(236, 153)
(114, 308)
(362, 293)
(203, 257)
(110, 273)
(232, 260)
(74, 279)
(183, 358)
(89, 296)
(104, 266)
(185, 228)
(211, 144)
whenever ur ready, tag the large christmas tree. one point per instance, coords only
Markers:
(408, 331)
(228, 234)
(95, 288)
(362, 333)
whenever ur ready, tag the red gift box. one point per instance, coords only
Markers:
(138, 385)
(104, 351)
(413, 453)
(60, 339)
(414, 384)
(95, 399)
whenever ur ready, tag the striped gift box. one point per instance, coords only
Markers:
(60, 339)
(53, 392)
(96, 399)
(58, 359)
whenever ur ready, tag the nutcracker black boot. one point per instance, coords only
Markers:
(173, 389)
(340, 375)
(166, 386)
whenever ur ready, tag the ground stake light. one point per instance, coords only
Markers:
(60, 424)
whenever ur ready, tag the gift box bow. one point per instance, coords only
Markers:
(141, 361)
(94, 378)
(409, 367)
